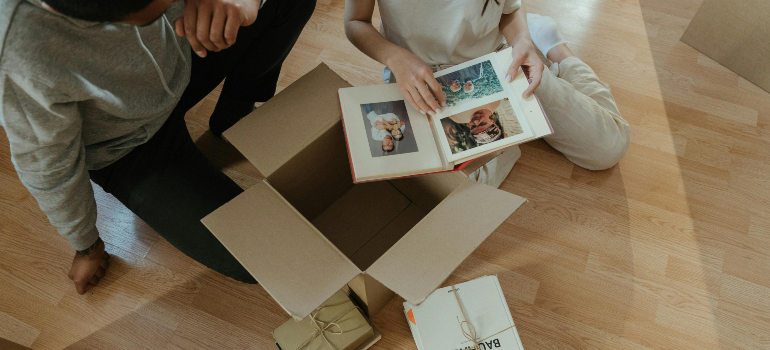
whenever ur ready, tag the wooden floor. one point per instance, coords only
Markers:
(668, 250)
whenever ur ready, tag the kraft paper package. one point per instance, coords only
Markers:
(335, 325)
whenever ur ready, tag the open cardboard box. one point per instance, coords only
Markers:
(307, 230)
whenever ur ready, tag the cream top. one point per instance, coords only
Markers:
(445, 31)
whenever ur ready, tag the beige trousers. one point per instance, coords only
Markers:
(588, 128)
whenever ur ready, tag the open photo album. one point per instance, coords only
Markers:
(387, 138)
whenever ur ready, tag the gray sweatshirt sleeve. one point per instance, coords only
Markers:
(44, 131)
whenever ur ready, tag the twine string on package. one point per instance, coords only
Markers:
(469, 331)
(323, 327)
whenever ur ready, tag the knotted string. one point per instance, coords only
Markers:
(470, 333)
(324, 327)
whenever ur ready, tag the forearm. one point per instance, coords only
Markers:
(65, 196)
(44, 133)
(514, 27)
(366, 38)
(415, 78)
(363, 35)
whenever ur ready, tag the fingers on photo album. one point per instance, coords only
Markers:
(387, 138)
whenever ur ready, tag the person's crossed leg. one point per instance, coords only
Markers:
(588, 128)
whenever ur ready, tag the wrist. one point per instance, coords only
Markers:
(520, 38)
(91, 249)
(392, 58)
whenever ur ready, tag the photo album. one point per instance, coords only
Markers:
(387, 138)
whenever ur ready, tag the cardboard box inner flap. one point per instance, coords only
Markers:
(307, 230)
(359, 215)
(317, 176)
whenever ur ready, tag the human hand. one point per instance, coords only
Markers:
(213, 24)
(379, 125)
(416, 82)
(524, 54)
(88, 267)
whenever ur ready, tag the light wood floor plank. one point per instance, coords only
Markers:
(668, 250)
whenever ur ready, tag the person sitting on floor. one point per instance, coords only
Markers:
(97, 90)
(588, 128)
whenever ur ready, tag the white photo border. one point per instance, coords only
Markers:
(507, 92)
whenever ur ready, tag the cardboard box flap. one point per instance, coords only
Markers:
(387, 237)
(280, 128)
(360, 214)
(294, 262)
(427, 191)
(418, 263)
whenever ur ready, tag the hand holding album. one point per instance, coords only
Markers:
(388, 138)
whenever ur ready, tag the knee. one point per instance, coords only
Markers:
(303, 10)
(602, 163)
(608, 154)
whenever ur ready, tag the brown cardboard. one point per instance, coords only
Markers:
(429, 190)
(291, 121)
(369, 294)
(360, 214)
(295, 263)
(407, 234)
(453, 230)
(326, 159)
(736, 34)
(365, 256)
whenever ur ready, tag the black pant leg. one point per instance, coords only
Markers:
(257, 70)
(170, 184)
(254, 75)
(282, 19)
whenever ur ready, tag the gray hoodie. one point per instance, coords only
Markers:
(79, 95)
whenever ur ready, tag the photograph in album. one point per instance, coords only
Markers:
(389, 129)
(485, 124)
(470, 83)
